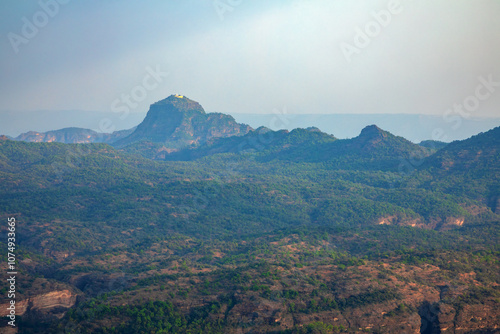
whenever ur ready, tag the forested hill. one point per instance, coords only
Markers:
(364, 171)
(262, 141)
(293, 228)
(469, 167)
(479, 151)
(373, 149)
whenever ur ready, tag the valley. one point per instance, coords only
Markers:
(194, 223)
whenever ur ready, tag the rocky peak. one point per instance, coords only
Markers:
(371, 136)
(372, 132)
(178, 102)
(313, 129)
(179, 122)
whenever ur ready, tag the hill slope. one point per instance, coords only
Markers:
(275, 239)
(262, 141)
(373, 149)
(235, 243)
(469, 167)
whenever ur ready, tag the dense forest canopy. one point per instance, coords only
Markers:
(272, 231)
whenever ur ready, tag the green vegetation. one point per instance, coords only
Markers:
(276, 238)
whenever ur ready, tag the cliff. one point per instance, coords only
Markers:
(43, 303)
(177, 122)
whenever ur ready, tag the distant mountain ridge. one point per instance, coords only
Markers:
(374, 148)
(179, 128)
(73, 136)
(414, 127)
(175, 122)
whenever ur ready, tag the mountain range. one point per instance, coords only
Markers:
(180, 125)
(176, 122)
(191, 222)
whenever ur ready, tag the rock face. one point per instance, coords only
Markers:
(495, 204)
(179, 122)
(52, 300)
(43, 303)
(440, 317)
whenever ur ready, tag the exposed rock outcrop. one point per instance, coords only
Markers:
(178, 122)
(42, 303)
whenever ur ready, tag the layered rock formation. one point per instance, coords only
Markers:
(43, 303)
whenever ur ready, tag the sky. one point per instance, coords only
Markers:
(259, 56)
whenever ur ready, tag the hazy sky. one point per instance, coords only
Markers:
(252, 56)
